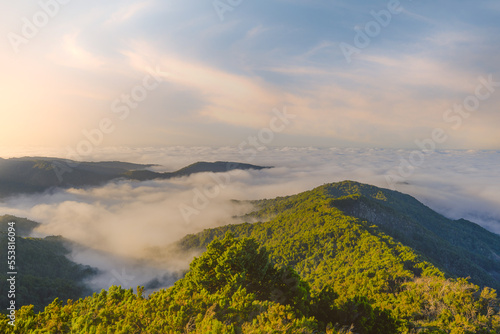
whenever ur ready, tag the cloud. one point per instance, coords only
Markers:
(124, 218)
(258, 30)
(74, 55)
(240, 69)
(124, 228)
(126, 13)
(228, 95)
(124, 225)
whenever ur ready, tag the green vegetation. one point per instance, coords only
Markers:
(331, 260)
(44, 272)
(461, 248)
(354, 238)
(24, 226)
(231, 288)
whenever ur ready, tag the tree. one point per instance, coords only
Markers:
(231, 264)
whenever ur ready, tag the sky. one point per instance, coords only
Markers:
(399, 94)
(83, 75)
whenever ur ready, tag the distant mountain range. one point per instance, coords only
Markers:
(37, 174)
(47, 273)
(198, 167)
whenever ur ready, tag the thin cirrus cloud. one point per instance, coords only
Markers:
(128, 12)
(231, 98)
(231, 74)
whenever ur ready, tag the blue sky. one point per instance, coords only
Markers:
(222, 79)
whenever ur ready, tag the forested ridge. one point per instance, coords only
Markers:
(45, 271)
(323, 261)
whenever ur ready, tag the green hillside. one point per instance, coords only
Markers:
(458, 248)
(364, 240)
(342, 258)
(44, 272)
(24, 226)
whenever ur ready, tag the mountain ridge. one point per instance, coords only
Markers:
(323, 261)
(197, 167)
(459, 247)
(31, 175)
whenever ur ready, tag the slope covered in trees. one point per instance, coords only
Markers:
(317, 262)
(24, 226)
(459, 248)
(354, 238)
(45, 272)
(232, 288)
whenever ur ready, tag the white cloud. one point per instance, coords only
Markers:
(72, 54)
(232, 99)
(127, 12)
(123, 222)
(258, 30)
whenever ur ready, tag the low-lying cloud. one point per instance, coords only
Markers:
(121, 225)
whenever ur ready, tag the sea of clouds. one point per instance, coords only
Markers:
(123, 227)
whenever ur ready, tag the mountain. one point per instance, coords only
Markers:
(378, 243)
(34, 175)
(44, 271)
(341, 258)
(458, 247)
(198, 167)
(24, 226)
